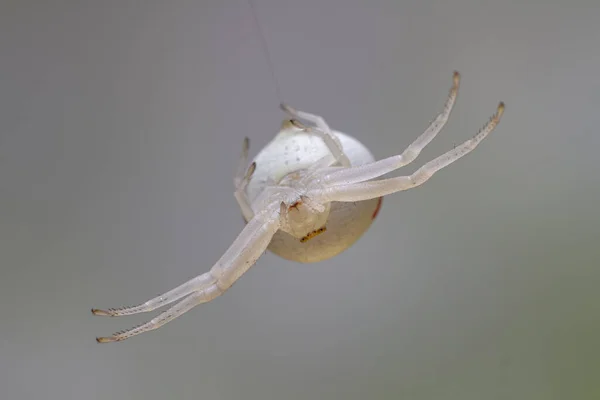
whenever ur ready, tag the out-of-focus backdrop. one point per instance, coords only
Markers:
(121, 125)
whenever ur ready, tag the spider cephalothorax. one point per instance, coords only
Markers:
(307, 196)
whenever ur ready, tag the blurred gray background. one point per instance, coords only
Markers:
(121, 125)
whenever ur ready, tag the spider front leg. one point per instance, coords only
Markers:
(239, 257)
(373, 170)
(373, 189)
(333, 142)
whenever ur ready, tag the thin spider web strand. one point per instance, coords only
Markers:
(265, 48)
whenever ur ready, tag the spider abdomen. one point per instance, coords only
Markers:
(297, 150)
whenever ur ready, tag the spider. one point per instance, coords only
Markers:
(307, 196)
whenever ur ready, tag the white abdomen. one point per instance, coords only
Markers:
(289, 152)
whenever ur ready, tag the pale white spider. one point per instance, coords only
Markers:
(307, 196)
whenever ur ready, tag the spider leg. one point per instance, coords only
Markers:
(375, 169)
(373, 189)
(242, 177)
(168, 315)
(323, 163)
(332, 141)
(239, 257)
(242, 163)
(193, 285)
